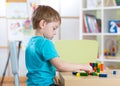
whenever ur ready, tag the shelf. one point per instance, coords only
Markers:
(92, 34)
(91, 9)
(111, 34)
(113, 7)
(111, 60)
(112, 57)
(105, 39)
(99, 59)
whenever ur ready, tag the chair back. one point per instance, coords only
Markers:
(14, 61)
(77, 51)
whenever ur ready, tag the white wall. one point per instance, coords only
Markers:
(69, 11)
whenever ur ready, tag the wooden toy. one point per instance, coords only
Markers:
(83, 74)
(114, 72)
(102, 75)
(78, 74)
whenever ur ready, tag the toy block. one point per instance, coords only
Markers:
(102, 67)
(74, 73)
(96, 64)
(93, 74)
(99, 65)
(95, 69)
(83, 74)
(114, 72)
(97, 74)
(78, 74)
(90, 63)
(98, 70)
(93, 65)
(102, 75)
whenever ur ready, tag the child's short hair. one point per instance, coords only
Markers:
(46, 13)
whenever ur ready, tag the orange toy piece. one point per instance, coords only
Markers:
(102, 67)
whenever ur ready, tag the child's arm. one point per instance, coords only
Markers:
(63, 66)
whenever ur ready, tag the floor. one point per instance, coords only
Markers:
(9, 81)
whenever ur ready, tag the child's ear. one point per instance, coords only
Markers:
(42, 23)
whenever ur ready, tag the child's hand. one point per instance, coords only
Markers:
(86, 68)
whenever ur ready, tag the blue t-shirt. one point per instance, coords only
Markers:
(38, 54)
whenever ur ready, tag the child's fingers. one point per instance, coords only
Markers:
(88, 68)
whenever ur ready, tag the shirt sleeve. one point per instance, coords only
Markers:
(49, 51)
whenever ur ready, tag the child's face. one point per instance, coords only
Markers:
(50, 29)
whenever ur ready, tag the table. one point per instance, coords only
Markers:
(67, 79)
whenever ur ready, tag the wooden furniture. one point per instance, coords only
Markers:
(67, 79)
(104, 13)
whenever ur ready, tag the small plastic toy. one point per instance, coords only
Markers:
(83, 74)
(80, 74)
(102, 75)
(74, 73)
(114, 72)
(93, 74)
(97, 68)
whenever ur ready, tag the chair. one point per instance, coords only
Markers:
(77, 51)
(14, 62)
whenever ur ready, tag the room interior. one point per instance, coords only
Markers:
(97, 20)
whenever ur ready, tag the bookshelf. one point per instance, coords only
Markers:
(106, 11)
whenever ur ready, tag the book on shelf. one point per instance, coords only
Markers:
(99, 24)
(90, 24)
(85, 24)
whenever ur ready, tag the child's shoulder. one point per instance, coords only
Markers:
(41, 40)
(47, 41)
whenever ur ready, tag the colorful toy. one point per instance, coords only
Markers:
(97, 68)
(78, 74)
(114, 72)
(93, 74)
(106, 52)
(83, 74)
(102, 75)
(102, 67)
(113, 51)
(74, 73)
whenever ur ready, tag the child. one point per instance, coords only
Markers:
(41, 56)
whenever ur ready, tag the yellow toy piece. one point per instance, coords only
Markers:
(78, 74)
